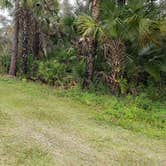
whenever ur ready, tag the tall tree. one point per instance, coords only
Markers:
(12, 70)
(35, 13)
(25, 39)
(92, 42)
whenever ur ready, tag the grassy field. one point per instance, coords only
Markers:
(40, 126)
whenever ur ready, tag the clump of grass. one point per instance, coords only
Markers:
(23, 154)
(47, 116)
(34, 156)
(5, 119)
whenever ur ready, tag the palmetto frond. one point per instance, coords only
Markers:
(147, 30)
(87, 26)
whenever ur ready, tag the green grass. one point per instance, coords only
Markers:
(27, 155)
(43, 126)
(139, 114)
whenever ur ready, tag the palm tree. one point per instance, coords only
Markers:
(25, 39)
(33, 12)
(147, 30)
(14, 56)
(92, 42)
(95, 9)
(130, 23)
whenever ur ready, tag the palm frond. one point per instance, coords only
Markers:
(87, 26)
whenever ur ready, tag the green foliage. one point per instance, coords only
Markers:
(139, 26)
(139, 114)
(78, 69)
(51, 72)
(87, 26)
(32, 65)
(62, 68)
(6, 4)
(123, 86)
(4, 61)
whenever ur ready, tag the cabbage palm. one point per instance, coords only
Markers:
(109, 32)
(132, 23)
(147, 34)
(26, 14)
(90, 35)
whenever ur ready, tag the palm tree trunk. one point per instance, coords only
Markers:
(121, 2)
(114, 54)
(25, 40)
(12, 70)
(89, 69)
(95, 9)
(36, 40)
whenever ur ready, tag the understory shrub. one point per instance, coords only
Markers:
(4, 62)
(62, 68)
(51, 72)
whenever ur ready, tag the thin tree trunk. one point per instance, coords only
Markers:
(92, 43)
(25, 41)
(12, 70)
(121, 2)
(36, 40)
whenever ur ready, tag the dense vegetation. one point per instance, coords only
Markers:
(107, 47)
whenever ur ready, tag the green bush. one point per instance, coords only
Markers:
(4, 62)
(78, 69)
(51, 72)
(143, 102)
(61, 68)
(32, 66)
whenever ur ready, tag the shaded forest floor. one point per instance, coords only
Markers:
(39, 128)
